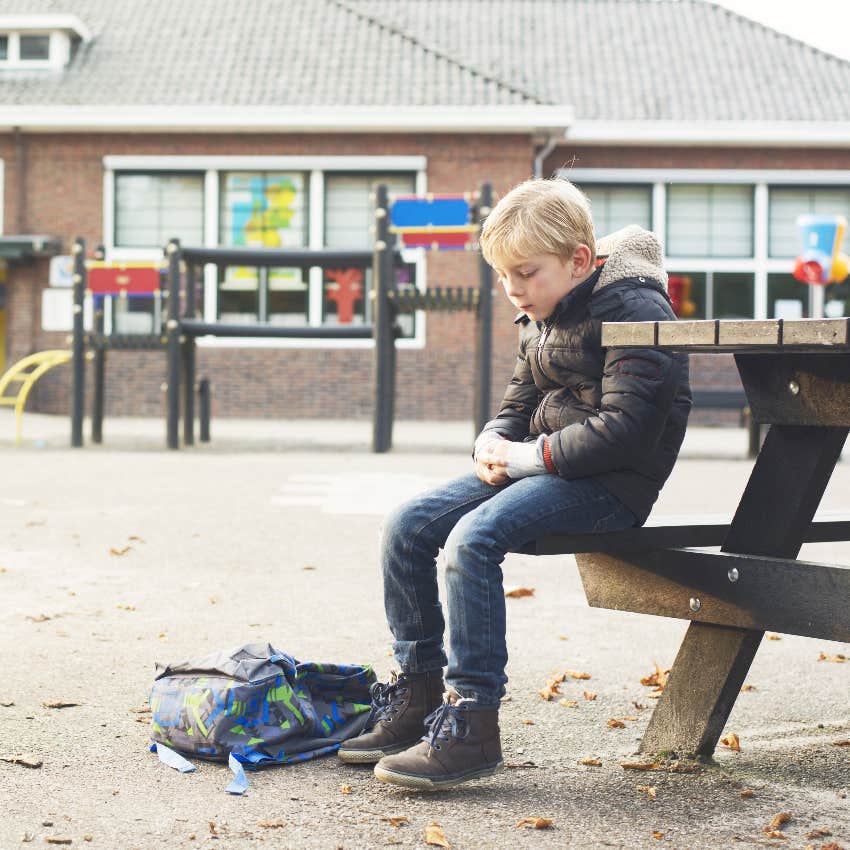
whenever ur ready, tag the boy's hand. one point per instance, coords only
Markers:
(491, 462)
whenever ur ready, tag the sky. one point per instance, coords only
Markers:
(822, 23)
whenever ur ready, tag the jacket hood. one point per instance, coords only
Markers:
(630, 252)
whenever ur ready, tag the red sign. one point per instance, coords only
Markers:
(345, 290)
(126, 278)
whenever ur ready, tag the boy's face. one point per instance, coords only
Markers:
(536, 284)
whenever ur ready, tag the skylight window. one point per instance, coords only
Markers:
(39, 41)
(34, 48)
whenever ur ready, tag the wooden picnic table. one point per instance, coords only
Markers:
(796, 375)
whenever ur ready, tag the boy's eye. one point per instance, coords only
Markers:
(527, 274)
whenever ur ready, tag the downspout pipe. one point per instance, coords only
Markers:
(541, 155)
(21, 168)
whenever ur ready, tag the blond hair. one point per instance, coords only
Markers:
(537, 217)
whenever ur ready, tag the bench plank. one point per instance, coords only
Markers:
(744, 591)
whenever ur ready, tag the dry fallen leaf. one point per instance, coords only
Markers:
(519, 764)
(397, 820)
(213, 600)
(657, 834)
(536, 823)
(528, 722)
(575, 674)
(53, 840)
(818, 833)
(434, 835)
(772, 636)
(732, 742)
(126, 607)
(562, 637)
(749, 688)
(23, 760)
(844, 743)
(551, 687)
(779, 820)
(678, 767)
(589, 695)
(136, 538)
(568, 703)
(6, 703)
(629, 717)
(649, 790)
(59, 704)
(271, 824)
(638, 705)
(518, 592)
(747, 793)
(773, 833)
(346, 789)
(836, 659)
(640, 765)
(122, 551)
(658, 679)
(309, 567)
(833, 845)
(591, 762)
(39, 618)
(616, 724)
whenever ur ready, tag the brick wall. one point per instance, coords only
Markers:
(63, 197)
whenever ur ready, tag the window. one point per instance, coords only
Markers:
(720, 295)
(306, 207)
(616, 206)
(34, 48)
(151, 209)
(4, 48)
(786, 203)
(709, 221)
(349, 223)
(787, 298)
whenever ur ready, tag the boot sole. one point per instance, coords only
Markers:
(371, 756)
(424, 783)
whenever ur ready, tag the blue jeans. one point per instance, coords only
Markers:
(476, 524)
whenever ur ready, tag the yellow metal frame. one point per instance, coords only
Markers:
(26, 372)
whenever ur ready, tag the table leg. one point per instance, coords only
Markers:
(779, 502)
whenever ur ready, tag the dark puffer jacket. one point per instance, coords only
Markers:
(617, 415)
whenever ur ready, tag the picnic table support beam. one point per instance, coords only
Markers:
(778, 504)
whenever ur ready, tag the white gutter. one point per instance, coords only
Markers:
(289, 119)
(817, 134)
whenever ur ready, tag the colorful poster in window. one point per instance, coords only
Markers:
(262, 210)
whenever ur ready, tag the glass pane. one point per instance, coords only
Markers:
(239, 295)
(133, 315)
(35, 47)
(4, 47)
(733, 295)
(787, 298)
(616, 206)
(287, 297)
(349, 212)
(264, 209)
(150, 209)
(687, 291)
(787, 203)
(709, 221)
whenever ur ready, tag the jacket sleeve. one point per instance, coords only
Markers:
(520, 400)
(638, 389)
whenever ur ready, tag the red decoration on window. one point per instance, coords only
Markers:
(346, 289)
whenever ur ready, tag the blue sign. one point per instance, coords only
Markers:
(451, 211)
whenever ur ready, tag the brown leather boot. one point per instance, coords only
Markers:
(397, 719)
(462, 744)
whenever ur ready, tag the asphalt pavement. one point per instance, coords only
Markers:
(118, 556)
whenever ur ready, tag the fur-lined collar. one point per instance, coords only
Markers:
(630, 252)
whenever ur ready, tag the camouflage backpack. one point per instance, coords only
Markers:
(259, 704)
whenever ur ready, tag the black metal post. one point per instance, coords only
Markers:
(99, 377)
(205, 409)
(78, 353)
(189, 362)
(172, 327)
(483, 324)
(382, 283)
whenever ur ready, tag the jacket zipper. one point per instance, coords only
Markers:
(547, 327)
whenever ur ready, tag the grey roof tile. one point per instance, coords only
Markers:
(609, 59)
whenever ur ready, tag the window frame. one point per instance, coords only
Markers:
(213, 167)
(760, 264)
(58, 49)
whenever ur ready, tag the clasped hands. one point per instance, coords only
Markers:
(491, 462)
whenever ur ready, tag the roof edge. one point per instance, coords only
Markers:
(69, 23)
(799, 134)
(289, 119)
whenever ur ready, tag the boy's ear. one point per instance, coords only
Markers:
(581, 261)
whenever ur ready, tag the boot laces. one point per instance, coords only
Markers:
(444, 723)
(386, 699)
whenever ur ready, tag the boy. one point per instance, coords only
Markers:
(584, 439)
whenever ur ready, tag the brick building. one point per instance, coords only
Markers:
(269, 122)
